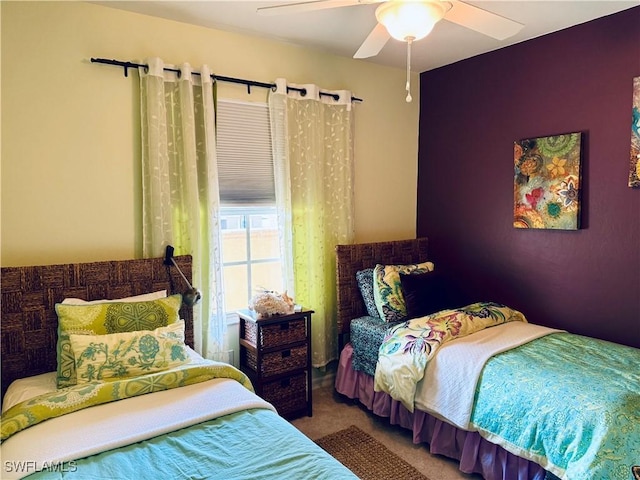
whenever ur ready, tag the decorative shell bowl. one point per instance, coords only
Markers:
(269, 303)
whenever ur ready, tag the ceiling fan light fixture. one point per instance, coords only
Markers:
(409, 19)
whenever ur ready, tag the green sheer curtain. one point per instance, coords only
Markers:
(312, 139)
(180, 186)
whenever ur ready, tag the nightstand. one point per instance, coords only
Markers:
(275, 353)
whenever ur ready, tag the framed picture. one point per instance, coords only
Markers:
(547, 178)
(634, 157)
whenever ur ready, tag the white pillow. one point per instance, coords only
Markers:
(28, 387)
(138, 298)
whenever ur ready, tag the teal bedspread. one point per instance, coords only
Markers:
(568, 402)
(253, 444)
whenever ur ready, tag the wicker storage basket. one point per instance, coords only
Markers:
(280, 361)
(288, 395)
(275, 334)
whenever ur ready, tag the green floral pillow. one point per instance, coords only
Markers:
(130, 354)
(387, 289)
(105, 318)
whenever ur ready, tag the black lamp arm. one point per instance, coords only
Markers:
(169, 260)
(192, 296)
(181, 274)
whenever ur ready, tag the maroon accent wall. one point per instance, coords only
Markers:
(580, 79)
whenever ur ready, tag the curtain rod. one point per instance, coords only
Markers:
(249, 83)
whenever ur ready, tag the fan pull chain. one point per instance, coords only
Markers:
(408, 87)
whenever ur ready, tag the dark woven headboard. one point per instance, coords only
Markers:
(29, 294)
(351, 258)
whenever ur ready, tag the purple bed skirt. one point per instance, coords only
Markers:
(475, 454)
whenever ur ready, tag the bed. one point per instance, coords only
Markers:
(577, 417)
(180, 416)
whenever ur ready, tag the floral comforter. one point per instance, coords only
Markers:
(570, 403)
(407, 347)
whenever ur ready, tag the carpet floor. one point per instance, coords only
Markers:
(366, 457)
(333, 412)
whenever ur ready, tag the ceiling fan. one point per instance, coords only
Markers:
(409, 20)
(421, 14)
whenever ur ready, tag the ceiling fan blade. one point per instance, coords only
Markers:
(305, 6)
(482, 21)
(374, 42)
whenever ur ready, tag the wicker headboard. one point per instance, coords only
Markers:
(29, 294)
(351, 258)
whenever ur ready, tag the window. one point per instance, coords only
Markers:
(248, 222)
(250, 253)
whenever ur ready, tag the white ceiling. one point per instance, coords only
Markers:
(342, 30)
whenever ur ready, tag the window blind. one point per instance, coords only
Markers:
(245, 159)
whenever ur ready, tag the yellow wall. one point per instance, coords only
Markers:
(70, 162)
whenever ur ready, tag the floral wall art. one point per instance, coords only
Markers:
(547, 182)
(634, 158)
